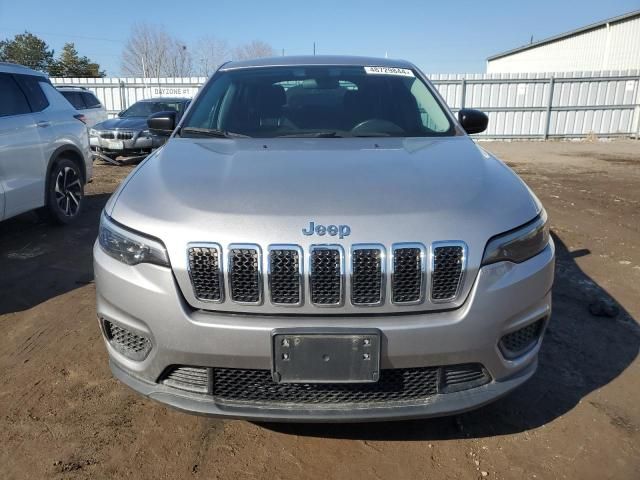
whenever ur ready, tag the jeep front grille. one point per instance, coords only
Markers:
(367, 270)
(327, 275)
(245, 274)
(285, 275)
(407, 278)
(326, 271)
(447, 269)
(205, 272)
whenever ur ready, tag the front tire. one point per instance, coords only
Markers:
(65, 192)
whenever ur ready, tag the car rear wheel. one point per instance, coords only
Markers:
(65, 192)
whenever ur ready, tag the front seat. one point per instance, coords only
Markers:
(357, 107)
(270, 100)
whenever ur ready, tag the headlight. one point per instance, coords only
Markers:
(145, 133)
(130, 247)
(93, 132)
(520, 244)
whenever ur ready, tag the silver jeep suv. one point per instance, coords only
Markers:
(320, 240)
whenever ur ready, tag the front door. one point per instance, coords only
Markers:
(21, 155)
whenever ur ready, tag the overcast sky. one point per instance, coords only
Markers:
(439, 36)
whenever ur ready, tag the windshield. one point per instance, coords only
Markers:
(144, 109)
(320, 102)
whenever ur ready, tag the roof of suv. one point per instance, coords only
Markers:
(310, 60)
(6, 67)
(71, 88)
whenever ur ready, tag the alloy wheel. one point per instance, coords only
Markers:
(68, 191)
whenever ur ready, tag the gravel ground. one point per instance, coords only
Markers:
(62, 415)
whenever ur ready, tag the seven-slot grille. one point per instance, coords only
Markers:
(446, 272)
(367, 270)
(328, 270)
(285, 275)
(205, 272)
(244, 274)
(408, 274)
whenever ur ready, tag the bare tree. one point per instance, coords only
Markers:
(179, 63)
(209, 53)
(254, 49)
(151, 51)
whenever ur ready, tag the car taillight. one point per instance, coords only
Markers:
(80, 117)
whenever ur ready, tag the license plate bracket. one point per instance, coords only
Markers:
(338, 355)
(115, 145)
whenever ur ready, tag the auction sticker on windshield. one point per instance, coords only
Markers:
(403, 72)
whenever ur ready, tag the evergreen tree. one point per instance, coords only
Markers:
(71, 64)
(28, 50)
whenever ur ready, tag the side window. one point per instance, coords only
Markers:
(75, 99)
(183, 108)
(432, 116)
(12, 100)
(90, 100)
(206, 111)
(35, 95)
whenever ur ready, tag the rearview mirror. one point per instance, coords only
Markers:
(473, 121)
(162, 123)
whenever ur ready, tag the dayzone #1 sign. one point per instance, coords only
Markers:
(188, 92)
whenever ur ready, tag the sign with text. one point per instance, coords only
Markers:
(170, 91)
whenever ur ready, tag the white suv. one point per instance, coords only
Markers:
(86, 103)
(45, 159)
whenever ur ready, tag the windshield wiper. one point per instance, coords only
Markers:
(211, 132)
(313, 135)
(372, 134)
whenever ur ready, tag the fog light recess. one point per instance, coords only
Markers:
(519, 342)
(131, 345)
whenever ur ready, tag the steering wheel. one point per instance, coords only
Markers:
(376, 125)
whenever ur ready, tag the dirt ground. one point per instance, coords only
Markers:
(62, 415)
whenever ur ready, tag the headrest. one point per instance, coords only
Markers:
(271, 98)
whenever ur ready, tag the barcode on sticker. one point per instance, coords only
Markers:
(403, 72)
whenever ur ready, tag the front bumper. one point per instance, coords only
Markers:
(438, 405)
(139, 143)
(147, 300)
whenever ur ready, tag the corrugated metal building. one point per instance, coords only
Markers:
(612, 44)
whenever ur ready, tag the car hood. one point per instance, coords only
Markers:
(266, 191)
(127, 123)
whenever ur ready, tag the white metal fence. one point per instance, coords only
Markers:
(562, 105)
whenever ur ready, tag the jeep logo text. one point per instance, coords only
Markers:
(333, 230)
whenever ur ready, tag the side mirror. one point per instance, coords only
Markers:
(162, 123)
(473, 121)
(119, 114)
